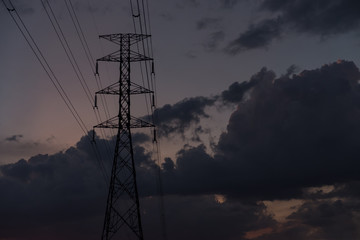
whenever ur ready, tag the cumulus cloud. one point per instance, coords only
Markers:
(180, 116)
(292, 133)
(63, 196)
(319, 18)
(319, 219)
(236, 91)
(45, 192)
(299, 127)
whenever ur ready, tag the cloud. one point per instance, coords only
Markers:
(45, 194)
(301, 128)
(298, 129)
(257, 36)
(329, 219)
(139, 138)
(202, 217)
(319, 18)
(180, 116)
(14, 138)
(15, 147)
(236, 91)
(320, 219)
(291, 133)
(62, 196)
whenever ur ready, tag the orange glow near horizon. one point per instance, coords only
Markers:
(258, 233)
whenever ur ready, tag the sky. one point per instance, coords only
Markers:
(258, 104)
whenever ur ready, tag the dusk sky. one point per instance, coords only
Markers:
(259, 110)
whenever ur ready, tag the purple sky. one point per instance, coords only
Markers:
(259, 105)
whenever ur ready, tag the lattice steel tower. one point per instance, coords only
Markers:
(122, 215)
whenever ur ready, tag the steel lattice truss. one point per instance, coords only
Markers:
(122, 210)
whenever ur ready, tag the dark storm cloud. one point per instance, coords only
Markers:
(62, 196)
(320, 18)
(138, 138)
(330, 220)
(47, 191)
(64, 193)
(180, 116)
(257, 36)
(235, 92)
(300, 129)
(350, 190)
(14, 138)
(202, 217)
(296, 128)
(324, 219)
(292, 70)
(293, 132)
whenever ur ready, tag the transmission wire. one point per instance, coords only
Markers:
(71, 58)
(153, 108)
(49, 72)
(89, 57)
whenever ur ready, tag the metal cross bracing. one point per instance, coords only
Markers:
(122, 214)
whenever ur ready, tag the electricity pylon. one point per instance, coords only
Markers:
(122, 211)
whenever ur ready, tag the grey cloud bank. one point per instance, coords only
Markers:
(293, 132)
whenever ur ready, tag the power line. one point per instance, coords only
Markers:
(148, 49)
(71, 58)
(65, 45)
(85, 46)
(48, 70)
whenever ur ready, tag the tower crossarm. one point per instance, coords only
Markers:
(134, 123)
(116, 57)
(113, 89)
(116, 37)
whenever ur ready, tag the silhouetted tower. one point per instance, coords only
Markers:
(122, 215)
